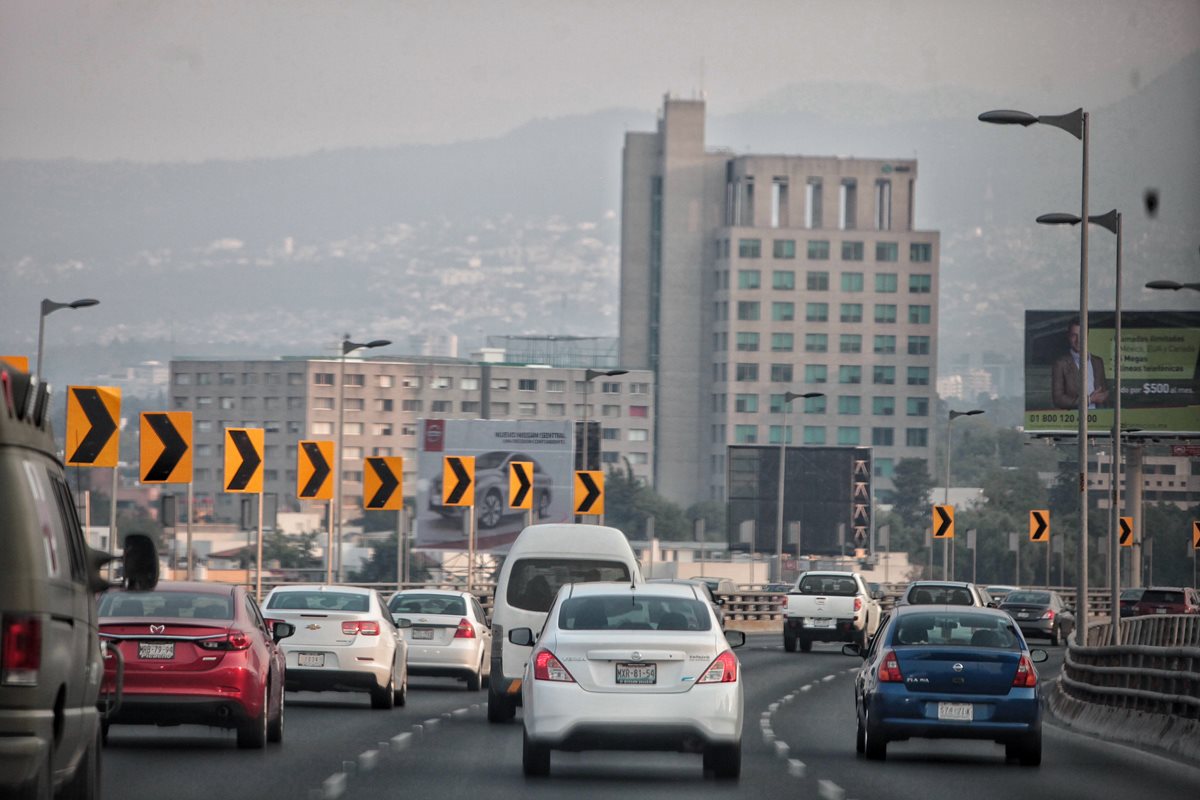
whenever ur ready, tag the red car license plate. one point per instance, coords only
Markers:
(156, 650)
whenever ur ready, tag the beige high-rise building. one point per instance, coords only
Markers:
(747, 277)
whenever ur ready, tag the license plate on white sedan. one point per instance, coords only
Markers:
(156, 650)
(637, 674)
(820, 622)
(310, 659)
(956, 712)
(422, 633)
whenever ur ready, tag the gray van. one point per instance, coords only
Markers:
(50, 660)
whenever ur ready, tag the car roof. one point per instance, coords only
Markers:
(594, 588)
(321, 587)
(902, 611)
(201, 587)
(443, 592)
(942, 583)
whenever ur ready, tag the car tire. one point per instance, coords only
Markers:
(789, 641)
(874, 742)
(535, 758)
(384, 698)
(860, 737)
(402, 692)
(805, 644)
(724, 760)
(1054, 636)
(491, 510)
(252, 734)
(1027, 751)
(475, 679)
(85, 783)
(275, 725)
(500, 708)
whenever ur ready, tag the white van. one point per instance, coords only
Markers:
(542, 559)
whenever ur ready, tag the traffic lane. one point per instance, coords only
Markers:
(466, 755)
(819, 731)
(323, 731)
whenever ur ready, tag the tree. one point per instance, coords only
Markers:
(912, 486)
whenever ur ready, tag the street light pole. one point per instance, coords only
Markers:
(947, 564)
(788, 397)
(1076, 124)
(49, 307)
(347, 348)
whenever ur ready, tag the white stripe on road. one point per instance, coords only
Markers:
(401, 740)
(367, 760)
(828, 790)
(828, 678)
(334, 786)
(781, 749)
(795, 768)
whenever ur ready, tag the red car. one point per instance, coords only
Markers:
(197, 653)
(1167, 600)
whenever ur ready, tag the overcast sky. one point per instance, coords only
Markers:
(153, 81)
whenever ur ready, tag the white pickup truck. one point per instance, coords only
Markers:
(828, 606)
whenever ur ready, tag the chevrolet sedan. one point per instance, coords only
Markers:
(949, 672)
(621, 667)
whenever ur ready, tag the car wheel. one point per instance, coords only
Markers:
(491, 510)
(535, 758)
(500, 708)
(275, 726)
(543, 505)
(805, 644)
(789, 641)
(402, 692)
(724, 760)
(385, 698)
(1029, 750)
(860, 738)
(104, 724)
(874, 743)
(475, 679)
(252, 734)
(85, 783)
(1054, 636)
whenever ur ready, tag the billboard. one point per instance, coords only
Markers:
(827, 490)
(1160, 371)
(493, 444)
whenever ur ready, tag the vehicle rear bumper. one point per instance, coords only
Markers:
(443, 660)
(25, 738)
(147, 709)
(901, 716)
(845, 629)
(336, 680)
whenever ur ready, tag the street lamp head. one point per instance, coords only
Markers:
(1172, 285)
(1072, 123)
(85, 302)
(790, 396)
(1003, 117)
(349, 346)
(1110, 220)
(1058, 219)
(49, 306)
(592, 374)
(971, 413)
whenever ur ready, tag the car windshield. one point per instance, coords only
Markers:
(319, 601)
(630, 613)
(835, 585)
(533, 582)
(427, 604)
(1131, 594)
(1162, 596)
(1032, 598)
(959, 629)
(181, 605)
(940, 595)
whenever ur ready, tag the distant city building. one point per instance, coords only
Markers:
(747, 277)
(968, 386)
(297, 398)
(147, 379)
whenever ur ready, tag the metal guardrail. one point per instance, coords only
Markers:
(1155, 669)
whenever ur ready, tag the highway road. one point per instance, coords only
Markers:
(798, 742)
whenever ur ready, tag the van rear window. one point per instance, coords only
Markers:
(533, 582)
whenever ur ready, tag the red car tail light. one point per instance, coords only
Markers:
(1049, 614)
(889, 669)
(723, 669)
(1026, 675)
(20, 650)
(465, 630)
(365, 627)
(234, 640)
(857, 604)
(547, 667)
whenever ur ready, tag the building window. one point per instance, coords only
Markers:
(183, 379)
(322, 429)
(472, 384)
(411, 405)
(610, 434)
(783, 279)
(527, 384)
(295, 403)
(883, 437)
(181, 401)
(886, 283)
(883, 406)
(352, 454)
(356, 380)
(920, 252)
(918, 376)
(749, 248)
(884, 467)
(884, 375)
(639, 435)
(205, 379)
(747, 342)
(227, 403)
(499, 409)
(639, 411)
(323, 378)
(885, 313)
(528, 409)
(783, 311)
(610, 387)
(852, 281)
(352, 429)
(920, 284)
(847, 436)
(849, 404)
(816, 343)
(226, 378)
(818, 250)
(918, 406)
(385, 404)
(385, 381)
(382, 429)
(852, 251)
(411, 381)
(556, 386)
(816, 312)
(556, 409)
(499, 384)
(848, 204)
(748, 310)
(816, 373)
(887, 251)
(249, 379)
(812, 203)
(469, 406)
(885, 344)
(323, 403)
(814, 405)
(851, 312)
(204, 402)
(918, 345)
(784, 248)
(749, 279)
(814, 434)
(745, 434)
(817, 282)
(355, 404)
(919, 315)
(916, 437)
(746, 372)
(441, 406)
(639, 388)
(782, 342)
(441, 382)
(849, 373)
(850, 343)
(781, 373)
(746, 403)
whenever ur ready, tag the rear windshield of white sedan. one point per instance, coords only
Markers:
(627, 613)
(320, 601)
(534, 582)
(167, 605)
(957, 629)
(427, 604)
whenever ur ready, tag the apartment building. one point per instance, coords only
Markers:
(384, 397)
(747, 277)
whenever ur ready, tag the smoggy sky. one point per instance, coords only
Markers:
(155, 81)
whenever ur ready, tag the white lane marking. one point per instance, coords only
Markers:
(400, 741)
(382, 746)
(806, 687)
(432, 723)
(781, 749)
(795, 768)
(418, 731)
(773, 707)
(764, 723)
(787, 698)
(474, 706)
(334, 786)
(460, 712)
(828, 790)
(766, 715)
(828, 678)
(768, 735)
(367, 760)
(349, 767)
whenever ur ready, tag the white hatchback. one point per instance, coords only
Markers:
(345, 641)
(447, 633)
(624, 667)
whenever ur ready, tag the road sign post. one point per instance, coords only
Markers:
(93, 436)
(943, 528)
(314, 481)
(458, 489)
(589, 492)
(1039, 531)
(520, 488)
(244, 475)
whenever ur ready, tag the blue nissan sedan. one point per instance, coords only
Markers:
(949, 672)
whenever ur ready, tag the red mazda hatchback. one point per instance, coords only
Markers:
(197, 653)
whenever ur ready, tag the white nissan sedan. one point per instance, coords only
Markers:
(345, 641)
(449, 634)
(621, 667)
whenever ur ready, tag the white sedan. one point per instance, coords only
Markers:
(345, 641)
(621, 667)
(447, 632)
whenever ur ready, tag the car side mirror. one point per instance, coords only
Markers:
(877, 594)
(735, 638)
(141, 563)
(853, 650)
(280, 629)
(96, 560)
(993, 604)
(401, 622)
(521, 637)
(1038, 655)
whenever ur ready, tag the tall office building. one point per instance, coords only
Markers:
(746, 277)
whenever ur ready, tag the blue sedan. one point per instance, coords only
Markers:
(949, 672)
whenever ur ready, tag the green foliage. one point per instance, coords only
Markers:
(912, 485)
(629, 503)
(1170, 529)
